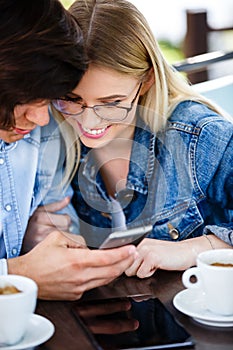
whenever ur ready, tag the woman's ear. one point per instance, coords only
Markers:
(149, 81)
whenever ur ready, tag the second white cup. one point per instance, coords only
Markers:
(214, 276)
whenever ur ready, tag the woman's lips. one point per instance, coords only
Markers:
(93, 133)
(22, 131)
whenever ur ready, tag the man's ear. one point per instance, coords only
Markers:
(149, 81)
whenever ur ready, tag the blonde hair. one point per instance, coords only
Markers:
(72, 147)
(117, 36)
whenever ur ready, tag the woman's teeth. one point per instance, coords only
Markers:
(94, 131)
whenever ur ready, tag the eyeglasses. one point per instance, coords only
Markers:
(108, 111)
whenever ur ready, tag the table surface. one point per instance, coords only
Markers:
(69, 335)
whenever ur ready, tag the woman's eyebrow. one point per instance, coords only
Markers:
(73, 95)
(111, 97)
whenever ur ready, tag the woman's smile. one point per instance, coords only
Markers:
(94, 133)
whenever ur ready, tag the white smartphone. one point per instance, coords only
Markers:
(131, 236)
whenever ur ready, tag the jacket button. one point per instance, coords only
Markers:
(173, 232)
(106, 215)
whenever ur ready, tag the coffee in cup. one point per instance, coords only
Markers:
(214, 277)
(18, 297)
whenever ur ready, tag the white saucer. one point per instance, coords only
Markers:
(192, 303)
(39, 330)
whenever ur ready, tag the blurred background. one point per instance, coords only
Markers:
(185, 28)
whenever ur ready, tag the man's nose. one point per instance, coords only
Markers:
(39, 115)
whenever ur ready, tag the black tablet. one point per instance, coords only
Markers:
(127, 324)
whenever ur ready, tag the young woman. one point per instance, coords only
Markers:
(41, 58)
(153, 150)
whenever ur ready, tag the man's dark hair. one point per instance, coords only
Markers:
(41, 53)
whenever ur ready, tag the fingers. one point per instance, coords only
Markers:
(74, 241)
(43, 217)
(140, 270)
(92, 277)
(109, 257)
(66, 240)
(145, 264)
(55, 206)
(61, 221)
(145, 271)
(133, 269)
(93, 258)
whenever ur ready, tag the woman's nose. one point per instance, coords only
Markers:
(89, 118)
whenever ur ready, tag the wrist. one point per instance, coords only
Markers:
(14, 266)
(208, 237)
(195, 246)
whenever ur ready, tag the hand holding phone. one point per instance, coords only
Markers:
(121, 238)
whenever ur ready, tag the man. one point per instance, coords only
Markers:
(41, 58)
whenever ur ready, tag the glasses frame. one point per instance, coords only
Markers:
(95, 107)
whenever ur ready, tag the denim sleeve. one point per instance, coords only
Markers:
(217, 163)
(214, 163)
(224, 232)
(221, 186)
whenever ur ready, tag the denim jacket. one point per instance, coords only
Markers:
(179, 180)
(29, 174)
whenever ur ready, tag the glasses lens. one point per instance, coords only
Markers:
(110, 112)
(67, 107)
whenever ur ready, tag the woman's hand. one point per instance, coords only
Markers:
(156, 254)
(64, 270)
(45, 220)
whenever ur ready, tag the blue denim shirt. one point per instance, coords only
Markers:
(29, 174)
(180, 180)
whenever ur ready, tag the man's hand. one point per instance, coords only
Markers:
(45, 220)
(64, 270)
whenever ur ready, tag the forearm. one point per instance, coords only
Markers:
(194, 246)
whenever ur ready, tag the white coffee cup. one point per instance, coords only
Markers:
(16, 309)
(216, 282)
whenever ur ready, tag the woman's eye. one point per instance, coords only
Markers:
(114, 103)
